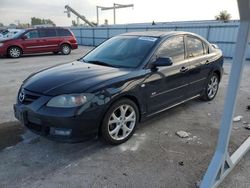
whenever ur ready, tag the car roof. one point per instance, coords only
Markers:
(15, 29)
(158, 34)
(27, 29)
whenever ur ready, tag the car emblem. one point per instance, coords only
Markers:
(21, 96)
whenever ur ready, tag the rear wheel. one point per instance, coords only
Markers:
(211, 87)
(14, 52)
(65, 49)
(119, 122)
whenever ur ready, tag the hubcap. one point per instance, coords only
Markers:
(122, 122)
(15, 52)
(65, 49)
(212, 87)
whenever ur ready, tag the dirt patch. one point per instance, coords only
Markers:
(10, 134)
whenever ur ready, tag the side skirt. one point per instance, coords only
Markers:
(196, 96)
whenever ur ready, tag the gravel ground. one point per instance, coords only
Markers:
(153, 157)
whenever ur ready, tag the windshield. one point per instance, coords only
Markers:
(4, 32)
(18, 34)
(121, 51)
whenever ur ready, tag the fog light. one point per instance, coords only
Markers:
(60, 132)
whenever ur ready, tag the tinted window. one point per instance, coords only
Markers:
(194, 47)
(63, 32)
(32, 34)
(122, 51)
(173, 47)
(47, 32)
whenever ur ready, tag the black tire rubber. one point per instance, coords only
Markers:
(104, 127)
(204, 95)
(65, 45)
(14, 47)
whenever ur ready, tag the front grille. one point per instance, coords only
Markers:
(39, 129)
(29, 96)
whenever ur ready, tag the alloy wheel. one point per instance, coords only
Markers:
(122, 122)
(65, 49)
(15, 52)
(212, 86)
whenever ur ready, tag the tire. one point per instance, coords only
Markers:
(55, 52)
(115, 129)
(212, 87)
(14, 52)
(65, 49)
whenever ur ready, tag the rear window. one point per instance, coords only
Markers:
(47, 32)
(63, 32)
(194, 47)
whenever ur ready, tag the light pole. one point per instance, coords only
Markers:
(114, 7)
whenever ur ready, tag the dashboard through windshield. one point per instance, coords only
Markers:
(122, 51)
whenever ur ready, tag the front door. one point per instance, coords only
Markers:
(167, 86)
(32, 43)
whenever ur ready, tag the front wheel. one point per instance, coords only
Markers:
(119, 122)
(211, 87)
(14, 52)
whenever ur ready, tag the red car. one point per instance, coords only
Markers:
(40, 40)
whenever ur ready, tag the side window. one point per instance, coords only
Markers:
(47, 32)
(32, 34)
(63, 32)
(173, 47)
(194, 47)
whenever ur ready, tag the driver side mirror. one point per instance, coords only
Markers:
(24, 37)
(163, 61)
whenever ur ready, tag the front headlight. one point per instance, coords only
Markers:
(68, 101)
(1, 44)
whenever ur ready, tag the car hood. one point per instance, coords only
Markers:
(75, 77)
(3, 39)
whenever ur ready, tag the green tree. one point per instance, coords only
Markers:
(39, 21)
(223, 16)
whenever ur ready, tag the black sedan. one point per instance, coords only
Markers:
(123, 81)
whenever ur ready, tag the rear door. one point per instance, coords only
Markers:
(199, 61)
(167, 86)
(49, 39)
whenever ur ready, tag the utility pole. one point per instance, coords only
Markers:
(114, 7)
(114, 13)
(97, 14)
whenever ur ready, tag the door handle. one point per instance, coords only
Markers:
(184, 69)
(207, 62)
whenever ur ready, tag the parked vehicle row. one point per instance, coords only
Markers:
(39, 40)
(9, 33)
(125, 80)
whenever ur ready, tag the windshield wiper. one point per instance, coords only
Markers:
(100, 63)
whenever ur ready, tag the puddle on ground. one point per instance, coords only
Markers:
(10, 134)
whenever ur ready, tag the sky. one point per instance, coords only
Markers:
(12, 11)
